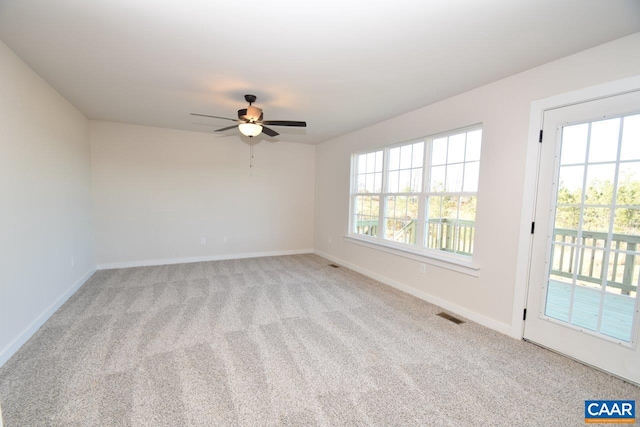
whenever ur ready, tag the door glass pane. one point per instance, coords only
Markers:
(621, 294)
(631, 138)
(599, 184)
(595, 248)
(586, 303)
(558, 300)
(570, 184)
(574, 147)
(603, 146)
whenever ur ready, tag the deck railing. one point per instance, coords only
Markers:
(591, 267)
(451, 235)
(407, 234)
(368, 227)
(444, 234)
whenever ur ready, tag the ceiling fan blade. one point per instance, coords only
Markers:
(227, 128)
(269, 131)
(213, 117)
(285, 123)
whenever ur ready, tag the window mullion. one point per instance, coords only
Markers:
(383, 198)
(352, 194)
(422, 199)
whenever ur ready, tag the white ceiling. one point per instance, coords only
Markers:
(339, 65)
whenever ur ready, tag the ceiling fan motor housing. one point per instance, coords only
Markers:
(250, 114)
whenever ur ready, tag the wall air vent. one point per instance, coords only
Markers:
(450, 318)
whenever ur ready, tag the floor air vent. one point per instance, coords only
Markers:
(334, 265)
(450, 318)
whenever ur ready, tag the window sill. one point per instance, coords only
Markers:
(443, 261)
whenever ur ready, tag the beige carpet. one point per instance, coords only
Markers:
(280, 341)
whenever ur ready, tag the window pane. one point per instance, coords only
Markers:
(437, 178)
(377, 185)
(378, 161)
(434, 207)
(434, 223)
(390, 207)
(362, 163)
(366, 225)
(405, 156)
(367, 205)
(439, 151)
(473, 145)
(416, 180)
(371, 162)
(631, 138)
(401, 213)
(391, 227)
(471, 171)
(366, 218)
(603, 146)
(574, 144)
(361, 183)
(456, 148)
(465, 231)
(369, 183)
(450, 207)
(357, 205)
(405, 181)
(394, 158)
(393, 182)
(418, 155)
(468, 208)
(454, 178)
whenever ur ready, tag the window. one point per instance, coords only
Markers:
(368, 186)
(419, 195)
(452, 192)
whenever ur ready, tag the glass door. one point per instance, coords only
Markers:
(586, 258)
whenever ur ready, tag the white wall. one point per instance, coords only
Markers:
(503, 108)
(158, 191)
(46, 204)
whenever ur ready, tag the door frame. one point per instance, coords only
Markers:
(529, 189)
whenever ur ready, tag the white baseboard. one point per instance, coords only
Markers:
(151, 262)
(19, 341)
(461, 311)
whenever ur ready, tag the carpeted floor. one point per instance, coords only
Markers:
(280, 341)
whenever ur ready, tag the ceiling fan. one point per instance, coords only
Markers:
(250, 121)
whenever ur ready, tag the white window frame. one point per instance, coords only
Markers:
(418, 251)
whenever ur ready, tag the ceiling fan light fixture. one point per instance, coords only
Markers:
(250, 129)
